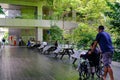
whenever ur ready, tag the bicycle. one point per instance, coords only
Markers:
(99, 69)
(85, 72)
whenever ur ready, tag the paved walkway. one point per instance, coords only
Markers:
(116, 70)
(117, 64)
(20, 63)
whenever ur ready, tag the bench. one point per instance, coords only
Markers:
(77, 54)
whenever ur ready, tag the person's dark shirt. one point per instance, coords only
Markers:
(56, 44)
(104, 40)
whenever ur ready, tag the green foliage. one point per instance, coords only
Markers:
(116, 56)
(83, 35)
(50, 2)
(117, 42)
(114, 15)
(60, 8)
(88, 11)
(67, 36)
(6, 35)
(55, 33)
(91, 11)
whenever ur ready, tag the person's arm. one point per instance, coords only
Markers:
(98, 37)
(94, 46)
(95, 43)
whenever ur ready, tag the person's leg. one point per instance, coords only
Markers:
(105, 62)
(105, 73)
(110, 71)
(107, 59)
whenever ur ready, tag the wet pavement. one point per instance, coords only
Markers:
(116, 70)
(20, 63)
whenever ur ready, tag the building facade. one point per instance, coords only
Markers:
(28, 18)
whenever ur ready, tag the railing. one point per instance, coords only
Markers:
(36, 23)
(45, 17)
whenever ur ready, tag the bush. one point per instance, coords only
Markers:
(83, 35)
(116, 56)
(55, 33)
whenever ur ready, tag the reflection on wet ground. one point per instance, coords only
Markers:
(20, 63)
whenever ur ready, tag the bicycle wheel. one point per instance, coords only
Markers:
(84, 73)
(100, 70)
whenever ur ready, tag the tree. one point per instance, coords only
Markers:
(114, 15)
(114, 20)
(83, 35)
(55, 33)
(91, 11)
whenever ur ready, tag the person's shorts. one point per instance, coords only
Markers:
(107, 58)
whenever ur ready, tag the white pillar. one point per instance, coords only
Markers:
(39, 11)
(39, 31)
(39, 34)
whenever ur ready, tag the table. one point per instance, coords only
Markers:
(68, 51)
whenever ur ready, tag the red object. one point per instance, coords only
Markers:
(11, 38)
(14, 42)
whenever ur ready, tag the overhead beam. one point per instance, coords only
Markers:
(20, 2)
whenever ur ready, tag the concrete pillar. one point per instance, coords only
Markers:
(39, 11)
(39, 32)
(74, 14)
